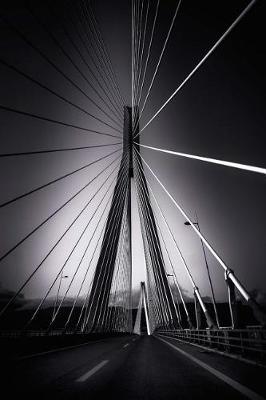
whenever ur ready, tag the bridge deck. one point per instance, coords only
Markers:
(132, 368)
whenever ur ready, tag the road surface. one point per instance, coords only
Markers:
(132, 368)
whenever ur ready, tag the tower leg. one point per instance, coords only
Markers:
(101, 287)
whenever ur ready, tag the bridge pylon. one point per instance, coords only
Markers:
(99, 299)
(97, 308)
(168, 308)
(143, 303)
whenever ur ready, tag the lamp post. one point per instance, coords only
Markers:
(178, 308)
(58, 291)
(208, 272)
(190, 325)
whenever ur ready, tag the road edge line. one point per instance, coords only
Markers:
(234, 384)
(213, 350)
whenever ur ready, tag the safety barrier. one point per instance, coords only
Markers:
(249, 343)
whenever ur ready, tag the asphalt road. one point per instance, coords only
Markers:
(131, 368)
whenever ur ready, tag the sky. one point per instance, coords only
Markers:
(219, 113)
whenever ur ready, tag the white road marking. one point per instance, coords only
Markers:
(234, 356)
(236, 385)
(92, 371)
(127, 344)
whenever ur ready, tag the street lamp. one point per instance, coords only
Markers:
(190, 325)
(187, 223)
(58, 291)
(178, 308)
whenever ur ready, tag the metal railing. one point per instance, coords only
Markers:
(249, 343)
(35, 333)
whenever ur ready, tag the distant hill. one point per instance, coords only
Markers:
(17, 317)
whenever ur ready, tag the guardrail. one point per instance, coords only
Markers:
(56, 332)
(247, 343)
(36, 333)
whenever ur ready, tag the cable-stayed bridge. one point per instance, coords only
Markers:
(73, 321)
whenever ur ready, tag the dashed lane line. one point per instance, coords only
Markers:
(92, 371)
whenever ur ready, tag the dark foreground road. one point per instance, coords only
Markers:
(132, 368)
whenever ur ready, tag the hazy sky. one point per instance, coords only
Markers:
(219, 113)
